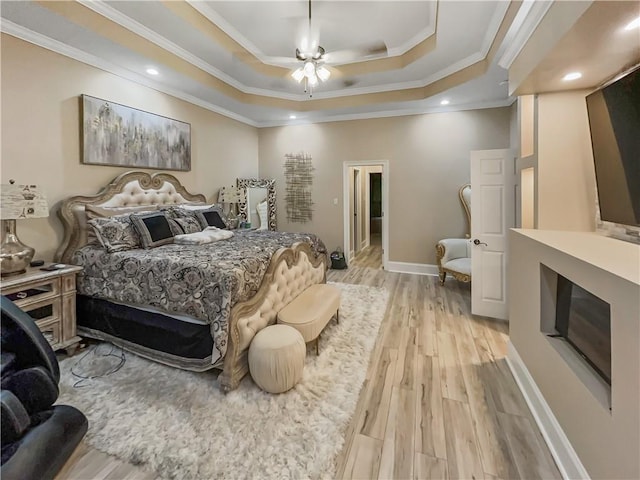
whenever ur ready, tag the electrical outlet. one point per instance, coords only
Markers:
(335, 201)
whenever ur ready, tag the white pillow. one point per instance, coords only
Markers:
(261, 208)
(192, 207)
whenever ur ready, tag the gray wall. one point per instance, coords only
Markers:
(428, 162)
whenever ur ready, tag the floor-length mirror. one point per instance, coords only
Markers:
(259, 209)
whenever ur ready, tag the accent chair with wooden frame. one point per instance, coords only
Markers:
(454, 254)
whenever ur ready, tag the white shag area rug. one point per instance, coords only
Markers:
(180, 425)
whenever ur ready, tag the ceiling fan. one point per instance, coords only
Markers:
(314, 58)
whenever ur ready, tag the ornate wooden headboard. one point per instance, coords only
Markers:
(130, 189)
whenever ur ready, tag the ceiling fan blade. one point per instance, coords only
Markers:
(284, 61)
(249, 59)
(349, 82)
(378, 49)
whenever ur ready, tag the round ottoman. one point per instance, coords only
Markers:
(276, 358)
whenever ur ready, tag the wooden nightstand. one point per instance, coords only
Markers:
(50, 299)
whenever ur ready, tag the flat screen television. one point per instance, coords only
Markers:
(614, 120)
(584, 321)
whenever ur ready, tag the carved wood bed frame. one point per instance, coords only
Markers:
(289, 273)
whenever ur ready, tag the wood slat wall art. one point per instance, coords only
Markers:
(298, 174)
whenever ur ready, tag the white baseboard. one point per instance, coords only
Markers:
(561, 449)
(416, 268)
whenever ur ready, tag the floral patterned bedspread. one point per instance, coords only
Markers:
(203, 281)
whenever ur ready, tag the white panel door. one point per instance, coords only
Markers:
(492, 214)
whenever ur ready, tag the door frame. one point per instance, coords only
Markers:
(356, 218)
(385, 205)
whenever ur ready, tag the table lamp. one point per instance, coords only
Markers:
(232, 196)
(18, 202)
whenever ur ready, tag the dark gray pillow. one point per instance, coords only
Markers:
(211, 217)
(155, 229)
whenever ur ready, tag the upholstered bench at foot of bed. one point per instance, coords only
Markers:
(291, 272)
(276, 358)
(310, 312)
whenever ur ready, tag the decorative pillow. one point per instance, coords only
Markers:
(211, 217)
(93, 211)
(186, 219)
(115, 234)
(175, 211)
(188, 224)
(195, 208)
(261, 208)
(155, 229)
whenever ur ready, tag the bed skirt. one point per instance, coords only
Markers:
(151, 335)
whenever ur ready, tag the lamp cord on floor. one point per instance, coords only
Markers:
(94, 351)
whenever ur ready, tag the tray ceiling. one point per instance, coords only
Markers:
(235, 57)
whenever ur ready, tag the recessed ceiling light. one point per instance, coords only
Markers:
(444, 102)
(152, 71)
(634, 24)
(292, 117)
(572, 76)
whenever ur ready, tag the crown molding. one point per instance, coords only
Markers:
(391, 87)
(114, 15)
(132, 25)
(230, 30)
(391, 113)
(56, 46)
(524, 24)
(213, 16)
(494, 27)
(110, 13)
(419, 37)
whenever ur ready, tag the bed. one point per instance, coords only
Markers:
(192, 307)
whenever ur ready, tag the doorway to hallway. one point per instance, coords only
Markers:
(365, 202)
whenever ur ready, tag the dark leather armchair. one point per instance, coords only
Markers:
(37, 437)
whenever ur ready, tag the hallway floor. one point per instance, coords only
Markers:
(371, 256)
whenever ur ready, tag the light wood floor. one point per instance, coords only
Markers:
(371, 256)
(438, 401)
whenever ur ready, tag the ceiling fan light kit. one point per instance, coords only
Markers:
(323, 73)
(312, 71)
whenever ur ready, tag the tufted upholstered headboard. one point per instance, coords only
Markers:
(130, 189)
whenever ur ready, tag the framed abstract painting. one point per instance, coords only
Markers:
(117, 135)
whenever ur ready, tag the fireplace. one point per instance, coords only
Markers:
(584, 321)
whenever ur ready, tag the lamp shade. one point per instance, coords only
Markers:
(230, 195)
(22, 201)
(298, 74)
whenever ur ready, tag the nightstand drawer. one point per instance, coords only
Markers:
(44, 311)
(51, 331)
(31, 294)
